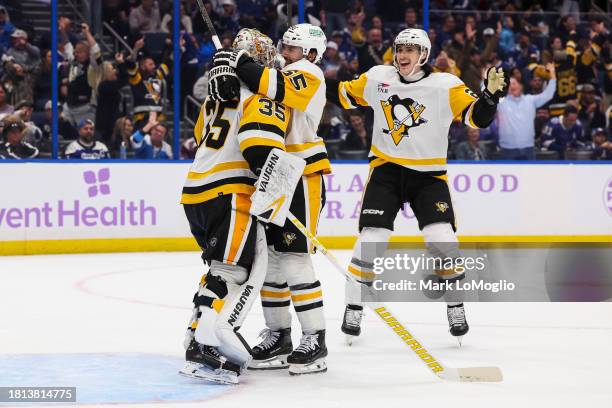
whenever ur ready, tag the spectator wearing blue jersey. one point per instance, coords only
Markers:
(564, 132)
(600, 145)
(148, 143)
(6, 29)
(86, 147)
(516, 114)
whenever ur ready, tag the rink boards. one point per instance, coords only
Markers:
(66, 207)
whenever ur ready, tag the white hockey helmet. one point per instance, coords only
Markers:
(258, 45)
(413, 36)
(308, 37)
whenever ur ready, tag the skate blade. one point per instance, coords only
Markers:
(349, 339)
(460, 341)
(201, 372)
(318, 366)
(274, 363)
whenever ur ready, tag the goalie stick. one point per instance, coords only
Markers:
(209, 24)
(461, 374)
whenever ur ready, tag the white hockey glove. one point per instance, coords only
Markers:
(275, 186)
(495, 85)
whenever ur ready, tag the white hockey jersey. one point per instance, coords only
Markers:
(411, 120)
(223, 131)
(301, 86)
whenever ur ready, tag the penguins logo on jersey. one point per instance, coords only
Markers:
(401, 115)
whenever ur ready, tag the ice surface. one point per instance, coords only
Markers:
(113, 325)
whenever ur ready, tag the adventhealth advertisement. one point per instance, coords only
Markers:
(81, 201)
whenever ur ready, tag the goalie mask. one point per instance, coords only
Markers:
(307, 37)
(414, 37)
(259, 46)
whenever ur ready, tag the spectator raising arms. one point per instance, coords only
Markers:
(86, 147)
(78, 76)
(13, 145)
(149, 143)
(516, 114)
(147, 82)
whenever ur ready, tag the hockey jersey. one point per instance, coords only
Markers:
(411, 119)
(77, 150)
(300, 86)
(223, 131)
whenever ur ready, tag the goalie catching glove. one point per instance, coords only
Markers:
(275, 186)
(495, 85)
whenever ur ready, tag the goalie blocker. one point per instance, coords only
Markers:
(275, 186)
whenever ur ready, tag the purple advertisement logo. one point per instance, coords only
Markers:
(607, 196)
(98, 180)
(78, 212)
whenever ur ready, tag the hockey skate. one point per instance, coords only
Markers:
(272, 352)
(309, 356)
(205, 363)
(457, 323)
(351, 323)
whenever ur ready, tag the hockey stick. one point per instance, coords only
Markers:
(463, 374)
(209, 24)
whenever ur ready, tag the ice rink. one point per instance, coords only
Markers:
(113, 325)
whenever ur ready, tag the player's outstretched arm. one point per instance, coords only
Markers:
(347, 94)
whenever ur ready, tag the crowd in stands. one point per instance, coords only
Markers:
(558, 105)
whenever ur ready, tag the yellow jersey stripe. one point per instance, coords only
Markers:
(260, 141)
(415, 162)
(304, 146)
(359, 274)
(321, 165)
(217, 168)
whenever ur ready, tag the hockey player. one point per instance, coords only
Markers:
(413, 110)
(299, 85)
(234, 139)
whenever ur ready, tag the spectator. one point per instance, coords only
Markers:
(332, 15)
(600, 146)
(42, 81)
(109, 97)
(228, 20)
(189, 148)
(86, 147)
(22, 52)
(5, 107)
(590, 109)
(149, 143)
(446, 33)
(6, 29)
(14, 146)
(331, 62)
(78, 75)
(372, 52)
(124, 128)
(185, 24)
(445, 64)
(410, 20)
(31, 133)
(472, 148)
(147, 82)
(145, 18)
(346, 51)
(387, 35)
(200, 88)
(564, 132)
(516, 114)
(507, 37)
(358, 137)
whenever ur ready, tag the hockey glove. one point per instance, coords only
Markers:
(223, 84)
(229, 57)
(495, 85)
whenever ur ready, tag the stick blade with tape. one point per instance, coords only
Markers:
(275, 186)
